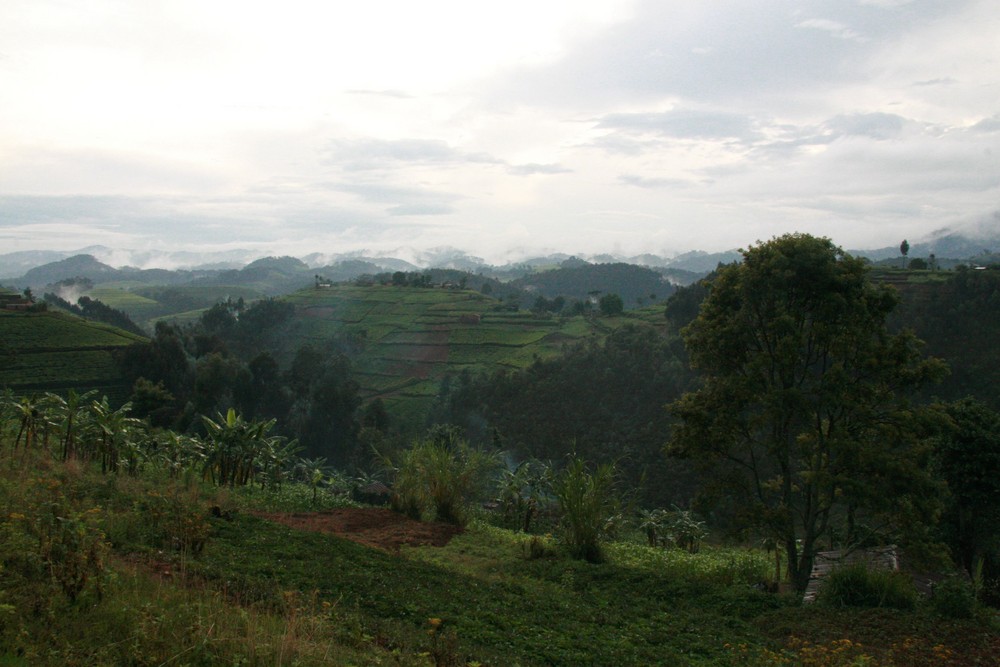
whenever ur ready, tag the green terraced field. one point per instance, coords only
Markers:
(146, 304)
(53, 351)
(22, 332)
(414, 337)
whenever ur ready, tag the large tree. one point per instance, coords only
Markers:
(968, 458)
(802, 401)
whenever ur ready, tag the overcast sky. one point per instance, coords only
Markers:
(499, 128)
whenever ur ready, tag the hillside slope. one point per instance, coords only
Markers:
(410, 339)
(52, 351)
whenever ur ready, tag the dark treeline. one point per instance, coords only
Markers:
(223, 362)
(959, 320)
(636, 285)
(603, 402)
(92, 309)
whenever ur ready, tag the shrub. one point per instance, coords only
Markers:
(954, 597)
(441, 475)
(685, 531)
(858, 586)
(586, 500)
(536, 547)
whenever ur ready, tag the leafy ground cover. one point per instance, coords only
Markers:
(151, 570)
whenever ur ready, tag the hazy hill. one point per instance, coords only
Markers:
(82, 266)
(636, 285)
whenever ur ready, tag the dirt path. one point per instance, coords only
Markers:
(373, 527)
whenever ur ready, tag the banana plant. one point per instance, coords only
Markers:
(237, 449)
(67, 413)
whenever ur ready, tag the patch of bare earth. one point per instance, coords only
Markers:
(373, 527)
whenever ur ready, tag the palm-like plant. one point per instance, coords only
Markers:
(178, 452)
(114, 436)
(313, 472)
(67, 413)
(238, 449)
(521, 491)
(652, 523)
(440, 474)
(29, 411)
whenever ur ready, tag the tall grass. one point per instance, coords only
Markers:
(440, 475)
(586, 500)
(857, 585)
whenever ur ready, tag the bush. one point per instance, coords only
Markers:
(954, 597)
(858, 586)
(586, 500)
(440, 474)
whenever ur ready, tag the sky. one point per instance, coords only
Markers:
(500, 128)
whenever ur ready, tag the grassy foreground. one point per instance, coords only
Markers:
(105, 570)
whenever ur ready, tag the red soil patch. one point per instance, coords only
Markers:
(373, 527)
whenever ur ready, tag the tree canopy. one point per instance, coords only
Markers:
(967, 457)
(803, 402)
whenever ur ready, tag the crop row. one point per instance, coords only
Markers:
(65, 368)
(24, 332)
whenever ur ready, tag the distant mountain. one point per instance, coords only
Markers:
(14, 264)
(979, 242)
(972, 243)
(78, 266)
(282, 264)
(88, 266)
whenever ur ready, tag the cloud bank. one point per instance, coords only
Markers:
(593, 126)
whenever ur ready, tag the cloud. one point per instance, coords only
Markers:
(659, 122)
(396, 94)
(534, 168)
(420, 209)
(652, 183)
(402, 200)
(834, 28)
(879, 126)
(943, 81)
(683, 124)
(987, 125)
(370, 153)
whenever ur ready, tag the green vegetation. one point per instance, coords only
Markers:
(587, 501)
(140, 570)
(803, 406)
(408, 333)
(440, 474)
(859, 586)
(50, 351)
(122, 554)
(172, 529)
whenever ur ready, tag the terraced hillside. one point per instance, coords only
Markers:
(52, 351)
(415, 337)
(146, 304)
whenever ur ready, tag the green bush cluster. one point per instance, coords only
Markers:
(857, 585)
(440, 474)
(953, 597)
(586, 500)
